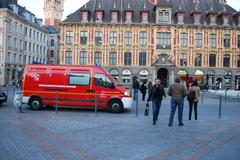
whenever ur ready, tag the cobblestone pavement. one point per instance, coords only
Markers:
(78, 134)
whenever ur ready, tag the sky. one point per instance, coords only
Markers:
(70, 6)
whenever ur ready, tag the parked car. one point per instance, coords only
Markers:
(3, 97)
(72, 86)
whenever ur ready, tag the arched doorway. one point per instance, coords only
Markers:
(162, 74)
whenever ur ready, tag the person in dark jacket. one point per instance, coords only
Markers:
(136, 87)
(156, 95)
(143, 90)
(149, 87)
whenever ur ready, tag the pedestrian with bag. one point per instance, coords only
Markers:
(177, 93)
(156, 95)
(136, 87)
(143, 90)
(193, 98)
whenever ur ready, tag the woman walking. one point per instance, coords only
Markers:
(193, 98)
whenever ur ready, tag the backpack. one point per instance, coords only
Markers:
(191, 96)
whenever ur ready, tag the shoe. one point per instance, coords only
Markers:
(154, 123)
(189, 121)
(21, 112)
(169, 125)
(181, 124)
(195, 120)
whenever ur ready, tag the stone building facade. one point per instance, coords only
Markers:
(152, 38)
(23, 40)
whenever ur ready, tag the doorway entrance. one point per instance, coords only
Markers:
(162, 74)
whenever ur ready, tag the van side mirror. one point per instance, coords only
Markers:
(112, 85)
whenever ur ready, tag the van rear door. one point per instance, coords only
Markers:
(81, 92)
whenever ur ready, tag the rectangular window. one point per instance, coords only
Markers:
(128, 17)
(213, 40)
(98, 58)
(181, 18)
(34, 34)
(238, 61)
(144, 17)
(101, 80)
(163, 40)
(198, 60)
(196, 19)
(15, 42)
(33, 47)
(68, 57)
(212, 60)
(52, 54)
(9, 41)
(30, 33)
(25, 45)
(198, 40)
(113, 58)
(52, 42)
(83, 58)
(238, 41)
(21, 44)
(128, 38)
(98, 37)
(143, 38)
(83, 37)
(183, 59)
(142, 59)
(226, 60)
(84, 16)
(81, 79)
(114, 17)
(30, 47)
(99, 16)
(113, 38)
(69, 37)
(225, 20)
(226, 41)
(127, 59)
(184, 39)
(26, 31)
(212, 20)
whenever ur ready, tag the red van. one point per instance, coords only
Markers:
(74, 86)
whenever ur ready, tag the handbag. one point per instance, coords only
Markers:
(191, 96)
(146, 112)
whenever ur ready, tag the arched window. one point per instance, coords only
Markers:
(166, 17)
(160, 17)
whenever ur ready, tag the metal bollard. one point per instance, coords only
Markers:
(136, 104)
(225, 96)
(96, 104)
(56, 108)
(220, 108)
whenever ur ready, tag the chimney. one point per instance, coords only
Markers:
(154, 1)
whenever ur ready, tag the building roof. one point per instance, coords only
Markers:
(20, 11)
(51, 29)
(187, 6)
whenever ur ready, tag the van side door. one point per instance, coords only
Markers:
(80, 93)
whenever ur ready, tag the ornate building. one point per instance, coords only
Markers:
(155, 38)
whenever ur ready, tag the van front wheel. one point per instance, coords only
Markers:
(35, 103)
(115, 106)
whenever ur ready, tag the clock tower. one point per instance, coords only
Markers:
(53, 11)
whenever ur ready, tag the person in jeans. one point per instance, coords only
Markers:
(194, 102)
(156, 95)
(143, 90)
(136, 87)
(177, 93)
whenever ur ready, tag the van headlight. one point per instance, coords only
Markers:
(126, 93)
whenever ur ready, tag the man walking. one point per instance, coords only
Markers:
(156, 95)
(177, 92)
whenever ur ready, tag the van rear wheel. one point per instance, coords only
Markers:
(35, 103)
(115, 106)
